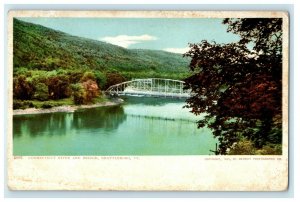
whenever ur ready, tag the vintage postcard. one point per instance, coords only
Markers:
(148, 100)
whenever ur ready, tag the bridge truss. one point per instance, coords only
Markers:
(154, 87)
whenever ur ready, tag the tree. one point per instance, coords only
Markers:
(58, 87)
(78, 93)
(22, 88)
(100, 79)
(112, 79)
(91, 90)
(239, 87)
(41, 92)
(88, 76)
(84, 93)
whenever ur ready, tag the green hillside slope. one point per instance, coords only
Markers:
(41, 48)
(52, 68)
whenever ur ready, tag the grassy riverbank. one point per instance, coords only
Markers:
(63, 105)
(24, 104)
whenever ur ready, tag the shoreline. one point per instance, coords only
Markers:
(65, 108)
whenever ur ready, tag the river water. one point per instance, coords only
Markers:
(140, 126)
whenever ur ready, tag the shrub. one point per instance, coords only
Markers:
(75, 76)
(84, 93)
(41, 92)
(22, 88)
(246, 147)
(113, 78)
(58, 87)
(100, 79)
(46, 106)
(243, 147)
(78, 93)
(88, 76)
(91, 90)
(18, 104)
(270, 149)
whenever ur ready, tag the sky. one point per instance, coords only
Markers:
(168, 34)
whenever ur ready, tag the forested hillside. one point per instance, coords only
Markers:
(51, 65)
(38, 47)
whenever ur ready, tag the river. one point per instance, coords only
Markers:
(140, 126)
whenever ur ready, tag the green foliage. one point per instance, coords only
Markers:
(270, 149)
(38, 47)
(41, 92)
(21, 71)
(74, 76)
(50, 63)
(47, 63)
(78, 93)
(153, 74)
(100, 79)
(243, 147)
(85, 92)
(53, 103)
(46, 106)
(247, 147)
(88, 76)
(19, 104)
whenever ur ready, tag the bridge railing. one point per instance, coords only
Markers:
(150, 86)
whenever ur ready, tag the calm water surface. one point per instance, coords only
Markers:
(140, 126)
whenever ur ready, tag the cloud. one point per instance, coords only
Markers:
(125, 40)
(177, 50)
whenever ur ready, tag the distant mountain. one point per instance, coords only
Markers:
(39, 47)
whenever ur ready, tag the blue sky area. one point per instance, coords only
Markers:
(169, 34)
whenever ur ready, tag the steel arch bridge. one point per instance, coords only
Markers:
(151, 87)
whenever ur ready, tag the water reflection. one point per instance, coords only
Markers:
(152, 101)
(108, 118)
(40, 124)
(140, 126)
